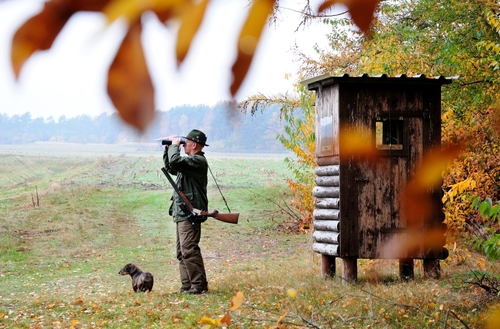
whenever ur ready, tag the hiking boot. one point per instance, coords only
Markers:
(196, 291)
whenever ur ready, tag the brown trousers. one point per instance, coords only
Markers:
(191, 267)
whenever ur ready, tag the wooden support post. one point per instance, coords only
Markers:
(350, 270)
(432, 268)
(406, 269)
(327, 266)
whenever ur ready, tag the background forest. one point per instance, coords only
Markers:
(227, 130)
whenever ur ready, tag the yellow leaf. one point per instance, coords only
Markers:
(207, 320)
(249, 39)
(236, 301)
(132, 10)
(191, 19)
(292, 293)
(492, 320)
(129, 84)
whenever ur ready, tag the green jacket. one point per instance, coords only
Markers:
(192, 179)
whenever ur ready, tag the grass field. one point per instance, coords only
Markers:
(71, 216)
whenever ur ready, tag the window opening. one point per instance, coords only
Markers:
(389, 133)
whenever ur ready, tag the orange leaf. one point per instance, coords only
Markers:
(82, 5)
(226, 319)
(431, 169)
(236, 301)
(249, 39)
(38, 33)
(417, 203)
(129, 84)
(191, 18)
(354, 141)
(281, 318)
(361, 11)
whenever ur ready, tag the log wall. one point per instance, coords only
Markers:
(326, 215)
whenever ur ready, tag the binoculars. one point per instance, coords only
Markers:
(169, 141)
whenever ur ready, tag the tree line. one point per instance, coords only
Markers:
(227, 128)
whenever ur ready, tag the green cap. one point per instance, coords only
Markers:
(197, 136)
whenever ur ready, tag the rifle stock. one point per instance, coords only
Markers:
(231, 218)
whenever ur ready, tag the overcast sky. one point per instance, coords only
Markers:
(70, 79)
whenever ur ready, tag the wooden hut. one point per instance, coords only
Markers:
(358, 208)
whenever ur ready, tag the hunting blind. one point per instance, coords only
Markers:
(359, 211)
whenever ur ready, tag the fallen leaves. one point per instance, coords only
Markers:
(236, 302)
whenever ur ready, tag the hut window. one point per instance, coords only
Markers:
(390, 134)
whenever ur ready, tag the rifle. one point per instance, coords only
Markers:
(231, 218)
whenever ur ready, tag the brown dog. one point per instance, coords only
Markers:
(141, 281)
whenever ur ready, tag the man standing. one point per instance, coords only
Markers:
(191, 171)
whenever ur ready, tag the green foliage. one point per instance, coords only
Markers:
(489, 211)
(491, 247)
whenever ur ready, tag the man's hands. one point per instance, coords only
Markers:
(176, 141)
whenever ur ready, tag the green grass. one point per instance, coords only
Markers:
(100, 211)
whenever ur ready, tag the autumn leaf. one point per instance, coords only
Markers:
(354, 142)
(493, 318)
(281, 318)
(249, 39)
(417, 203)
(207, 320)
(431, 169)
(236, 301)
(38, 33)
(81, 5)
(132, 10)
(361, 11)
(129, 84)
(226, 319)
(191, 19)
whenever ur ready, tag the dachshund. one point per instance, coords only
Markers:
(141, 281)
